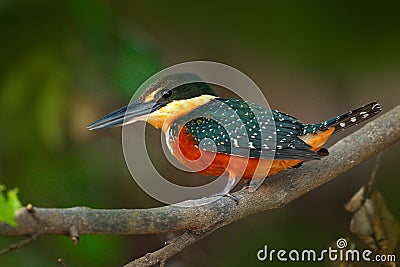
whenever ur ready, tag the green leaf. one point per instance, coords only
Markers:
(9, 205)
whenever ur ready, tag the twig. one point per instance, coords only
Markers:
(173, 247)
(74, 234)
(176, 245)
(18, 245)
(370, 183)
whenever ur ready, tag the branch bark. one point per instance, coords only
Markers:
(201, 220)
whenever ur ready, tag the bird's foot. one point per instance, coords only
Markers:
(251, 186)
(226, 191)
(226, 194)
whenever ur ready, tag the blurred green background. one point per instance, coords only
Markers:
(66, 63)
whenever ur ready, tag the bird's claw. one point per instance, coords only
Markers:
(250, 186)
(222, 194)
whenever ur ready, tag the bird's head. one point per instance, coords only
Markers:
(163, 99)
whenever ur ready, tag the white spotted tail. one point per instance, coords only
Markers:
(353, 117)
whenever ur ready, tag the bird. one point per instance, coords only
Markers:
(229, 136)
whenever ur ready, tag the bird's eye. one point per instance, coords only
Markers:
(167, 94)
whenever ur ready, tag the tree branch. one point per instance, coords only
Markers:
(18, 245)
(201, 220)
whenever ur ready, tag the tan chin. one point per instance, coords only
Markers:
(157, 119)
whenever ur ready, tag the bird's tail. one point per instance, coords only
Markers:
(353, 117)
(345, 120)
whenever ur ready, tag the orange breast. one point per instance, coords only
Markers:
(217, 164)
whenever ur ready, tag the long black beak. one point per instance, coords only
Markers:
(135, 111)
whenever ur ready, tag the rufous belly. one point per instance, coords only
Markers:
(217, 164)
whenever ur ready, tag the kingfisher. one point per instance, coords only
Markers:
(229, 136)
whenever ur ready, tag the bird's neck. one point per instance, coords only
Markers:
(165, 116)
